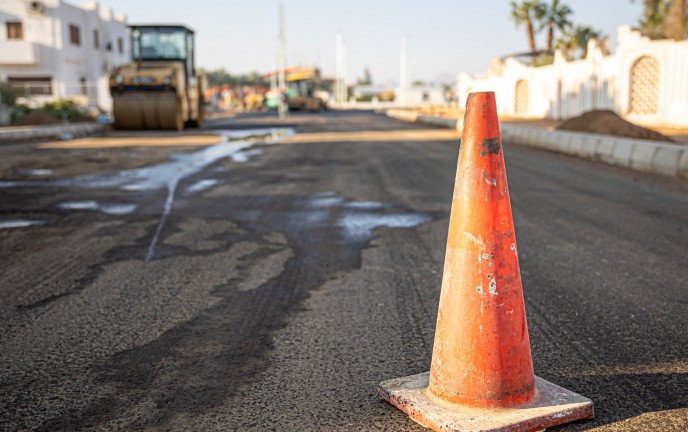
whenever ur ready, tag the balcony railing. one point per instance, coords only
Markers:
(18, 52)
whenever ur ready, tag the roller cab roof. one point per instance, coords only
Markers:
(177, 26)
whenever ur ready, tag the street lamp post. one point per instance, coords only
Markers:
(281, 66)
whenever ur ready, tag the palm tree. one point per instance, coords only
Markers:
(554, 15)
(651, 23)
(583, 36)
(675, 20)
(525, 13)
(650, 8)
(577, 39)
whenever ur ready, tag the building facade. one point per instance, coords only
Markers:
(419, 95)
(54, 50)
(644, 81)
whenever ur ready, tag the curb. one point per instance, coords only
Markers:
(403, 115)
(655, 157)
(438, 121)
(13, 134)
(411, 116)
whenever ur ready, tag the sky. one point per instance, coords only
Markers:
(445, 37)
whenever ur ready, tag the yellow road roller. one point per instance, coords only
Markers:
(160, 88)
(303, 86)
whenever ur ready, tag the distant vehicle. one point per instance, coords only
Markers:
(374, 93)
(272, 99)
(303, 87)
(305, 90)
(161, 88)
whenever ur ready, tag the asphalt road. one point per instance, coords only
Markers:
(269, 286)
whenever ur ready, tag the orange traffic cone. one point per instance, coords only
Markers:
(481, 378)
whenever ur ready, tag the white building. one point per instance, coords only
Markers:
(645, 81)
(419, 95)
(53, 50)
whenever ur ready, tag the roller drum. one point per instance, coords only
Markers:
(153, 111)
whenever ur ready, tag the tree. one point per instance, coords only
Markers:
(219, 77)
(553, 16)
(577, 38)
(526, 12)
(583, 35)
(651, 23)
(664, 19)
(650, 8)
(8, 94)
(367, 78)
(674, 26)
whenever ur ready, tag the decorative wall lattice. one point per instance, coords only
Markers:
(644, 92)
(521, 105)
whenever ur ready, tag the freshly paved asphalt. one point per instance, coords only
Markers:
(280, 295)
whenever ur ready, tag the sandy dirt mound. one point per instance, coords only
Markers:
(607, 122)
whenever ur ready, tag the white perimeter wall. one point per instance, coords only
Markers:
(566, 89)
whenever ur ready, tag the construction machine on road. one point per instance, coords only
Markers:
(160, 88)
(304, 90)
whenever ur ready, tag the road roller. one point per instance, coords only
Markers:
(160, 88)
(303, 86)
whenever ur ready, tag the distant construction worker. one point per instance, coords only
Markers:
(227, 99)
(283, 108)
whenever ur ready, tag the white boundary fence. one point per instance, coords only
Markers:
(645, 81)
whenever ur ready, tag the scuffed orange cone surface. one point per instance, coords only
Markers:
(481, 356)
(481, 378)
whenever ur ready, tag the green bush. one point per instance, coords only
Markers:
(63, 110)
(59, 110)
(8, 94)
(19, 112)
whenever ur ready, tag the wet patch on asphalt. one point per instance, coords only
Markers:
(35, 172)
(107, 208)
(19, 223)
(301, 243)
(245, 155)
(201, 185)
(165, 176)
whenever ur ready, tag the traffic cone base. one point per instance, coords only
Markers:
(551, 406)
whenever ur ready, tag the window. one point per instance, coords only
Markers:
(120, 45)
(15, 30)
(74, 35)
(159, 43)
(96, 39)
(644, 94)
(84, 89)
(31, 86)
(521, 96)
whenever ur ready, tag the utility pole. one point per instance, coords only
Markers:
(345, 90)
(403, 72)
(340, 91)
(281, 65)
(338, 67)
